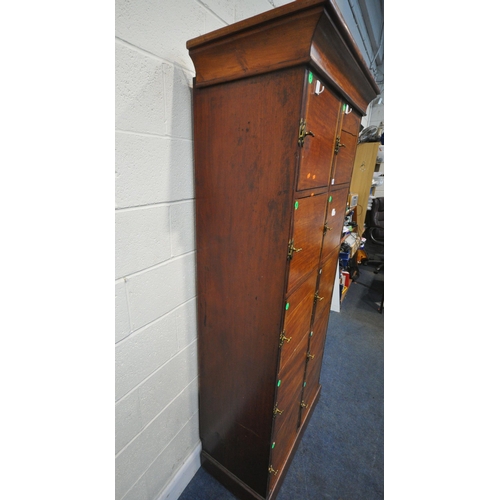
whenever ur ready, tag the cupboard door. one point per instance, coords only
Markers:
(307, 237)
(344, 159)
(319, 123)
(290, 381)
(350, 121)
(335, 214)
(325, 286)
(345, 145)
(298, 313)
(319, 329)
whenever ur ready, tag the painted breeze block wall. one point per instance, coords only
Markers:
(157, 441)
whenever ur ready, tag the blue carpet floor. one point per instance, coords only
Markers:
(341, 455)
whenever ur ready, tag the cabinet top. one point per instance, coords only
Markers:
(309, 32)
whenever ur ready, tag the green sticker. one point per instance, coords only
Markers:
(311, 334)
(279, 383)
(343, 107)
(329, 199)
(274, 444)
(310, 77)
(287, 306)
(296, 205)
(304, 384)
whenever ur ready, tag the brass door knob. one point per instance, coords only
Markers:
(272, 471)
(303, 133)
(338, 145)
(283, 339)
(277, 411)
(291, 249)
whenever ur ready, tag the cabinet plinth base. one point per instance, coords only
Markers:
(238, 487)
(228, 479)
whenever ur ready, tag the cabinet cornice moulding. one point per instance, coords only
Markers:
(309, 32)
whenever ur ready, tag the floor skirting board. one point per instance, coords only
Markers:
(184, 475)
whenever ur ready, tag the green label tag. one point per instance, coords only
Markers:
(304, 384)
(274, 444)
(296, 205)
(287, 306)
(329, 199)
(310, 77)
(279, 383)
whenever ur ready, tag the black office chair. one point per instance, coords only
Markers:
(375, 234)
(375, 229)
(375, 221)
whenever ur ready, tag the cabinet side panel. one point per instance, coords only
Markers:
(245, 163)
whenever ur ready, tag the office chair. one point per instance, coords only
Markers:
(375, 234)
(375, 221)
(375, 228)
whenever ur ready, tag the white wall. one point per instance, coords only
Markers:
(156, 363)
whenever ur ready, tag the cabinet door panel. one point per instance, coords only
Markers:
(325, 285)
(288, 400)
(316, 154)
(297, 318)
(308, 226)
(344, 160)
(335, 214)
(350, 123)
(311, 387)
(319, 329)
(313, 369)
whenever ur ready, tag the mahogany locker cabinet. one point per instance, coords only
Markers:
(278, 100)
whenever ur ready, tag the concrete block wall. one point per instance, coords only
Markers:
(157, 441)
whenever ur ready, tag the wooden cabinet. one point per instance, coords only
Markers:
(276, 99)
(361, 180)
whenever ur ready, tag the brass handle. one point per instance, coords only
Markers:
(317, 297)
(327, 228)
(291, 249)
(272, 471)
(277, 411)
(310, 356)
(283, 338)
(338, 145)
(303, 133)
(303, 405)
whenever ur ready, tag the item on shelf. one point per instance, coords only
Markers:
(353, 200)
(351, 240)
(369, 134)
(346, 278)
(380, 154)
(370, 201)
(344, 258)
(378, 179)
(344, 247)
(361, 256)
